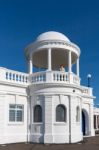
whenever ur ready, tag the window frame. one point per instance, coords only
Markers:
(41, 114)
(65, 114)
(77, 114)
(16, 110)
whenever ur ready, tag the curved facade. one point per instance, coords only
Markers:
(50, 104)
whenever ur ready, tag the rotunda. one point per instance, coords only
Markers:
(56, 96)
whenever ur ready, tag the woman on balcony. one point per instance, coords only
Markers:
(62, 68)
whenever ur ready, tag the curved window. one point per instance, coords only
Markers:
(37, 113)
(60, 113)
(77, 114)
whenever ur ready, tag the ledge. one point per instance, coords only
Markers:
(60, 123)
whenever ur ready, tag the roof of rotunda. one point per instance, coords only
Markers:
(52, 35)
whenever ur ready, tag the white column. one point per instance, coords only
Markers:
(69, 62)
(30, 65)
(49, 59)
(91, 120)
(77, 67)
(48, 119)
(96, 122)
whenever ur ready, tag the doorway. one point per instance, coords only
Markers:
(85, 122)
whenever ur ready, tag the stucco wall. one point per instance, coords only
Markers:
(12, 132)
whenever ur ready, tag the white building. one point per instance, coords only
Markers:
(48, 106)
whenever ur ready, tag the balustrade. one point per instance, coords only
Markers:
(59, 76)
(39, 77)
(16, 77)
(76, 80)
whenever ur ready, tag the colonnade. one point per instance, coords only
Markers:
(30, 62)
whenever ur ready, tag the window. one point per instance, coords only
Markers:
(16, 113)
(77, 114)
(37, 113)
(61, 113)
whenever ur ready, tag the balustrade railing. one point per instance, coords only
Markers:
(76, 79)
(60, 76)
(13, 76)
(87, 91)
(38, 77)
(54, 76)
(18, 77)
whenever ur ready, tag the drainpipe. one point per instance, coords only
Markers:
(69, 119)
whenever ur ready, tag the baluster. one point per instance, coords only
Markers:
(7, 75)
(13, 76)
(64, 77)
(54, 77)
(26, 79)
(10, 75)
(39, 79)
(23, 78)
(20, 78)
(43, 77)
(58, 77)
(35, 78)
(32, 79)
(16, 77)
(61, 76)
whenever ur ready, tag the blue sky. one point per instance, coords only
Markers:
(21, 21)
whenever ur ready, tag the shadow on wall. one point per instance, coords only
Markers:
(85, 122)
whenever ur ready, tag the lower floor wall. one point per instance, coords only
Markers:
(49, 130)
(16, 138)
(40, 138)
(55, 138)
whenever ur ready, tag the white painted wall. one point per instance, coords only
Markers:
(87, 105)
(48, 96)
(2, 117)
(76, 127)
(12, 132)
(60, 129)
(36, 129)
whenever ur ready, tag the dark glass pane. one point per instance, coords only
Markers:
(12, 106)
(11, 115)
(37, 113)
(19, 115)
(77, 114)
(19, 106)
(60, 113)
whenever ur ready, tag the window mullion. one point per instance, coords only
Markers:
(16, 113)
